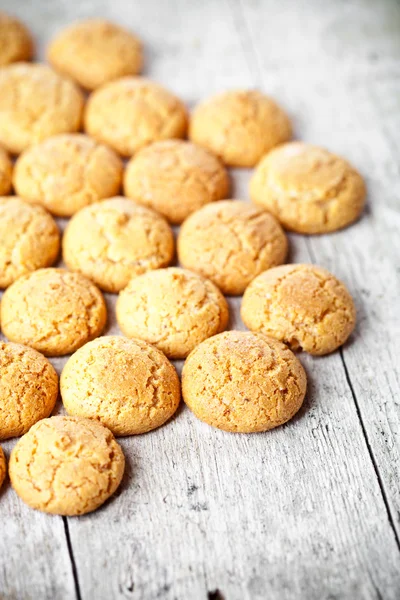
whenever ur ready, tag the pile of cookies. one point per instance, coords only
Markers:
(69, 127)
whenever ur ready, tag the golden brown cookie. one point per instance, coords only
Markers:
(67, 172)
(128, 385)
(112, 241)
(5, 173)
(15, 40)
(66, 466)
(175, 178)
(243, 382)
(28, 389)
(36, 103)
(231, 242)
(132, 112)
(302, 305)
(239, 126)
(309, 189)
(53, 310)
(3, 467)
(29, 239)
(174, 309)
(95, 51)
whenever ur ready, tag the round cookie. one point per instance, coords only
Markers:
(309, 189)
(95, 51)
(243, 382)
(304, 306)
(53, 310)
(28, 389)
(66, 466)
(36, 103)
(239, 126)
(3, 467)
(67, 172)
(173, 309)
(231, 242)
(175, 178)
(15, 40)
(132, 112)
(29, 239)
(112, 241)
(5, 173)
(128, 385)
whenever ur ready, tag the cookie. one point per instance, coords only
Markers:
(67, 172)
(28, 389)
(231, 242)
(112, 241)
(95, 51)
(5, 173)
(239, 126)
(243, 382)
(309, 189)
(3, 467)
(173, 309)
(53, 310)
(29, 239)
(66, 466)
(15, 40)
(302, 305)
(128, 385)
(132, 112)
(36, 103)
(175, 178)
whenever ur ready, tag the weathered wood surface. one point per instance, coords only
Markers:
(310, 510)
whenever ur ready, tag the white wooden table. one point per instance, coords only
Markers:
(312, 509)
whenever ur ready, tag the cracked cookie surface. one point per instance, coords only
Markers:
(6, 169)
(128, 385)
(302, 305)
(175, 178)
(132, 112)
(53, 310)
(15, 40)
(66, 466)
(36, 103)
(67, 172)
(243, 382)
(112, 241)
(252, 241)
(3, 467)
(308, 189)
(95, 51)
(28, 389)
(239, 126)
(174, 309)
(29, 239)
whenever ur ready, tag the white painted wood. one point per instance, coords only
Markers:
(299, 512)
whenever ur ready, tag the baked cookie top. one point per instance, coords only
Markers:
(16, 43)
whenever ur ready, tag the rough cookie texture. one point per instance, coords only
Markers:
(67, 172)
(243, 382)
(36, 103)
(5, 173)
(66, 466)
(173, 309)
(132, 112)
(112, 241)
(309, 189)
(29, 239)
(53, 310)
(128, 385)
(239, 126)
(175, 178)
(302, 305)
(3, 467)
(28, 389)
(231, 242)
(15, 40)
(95, 51)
